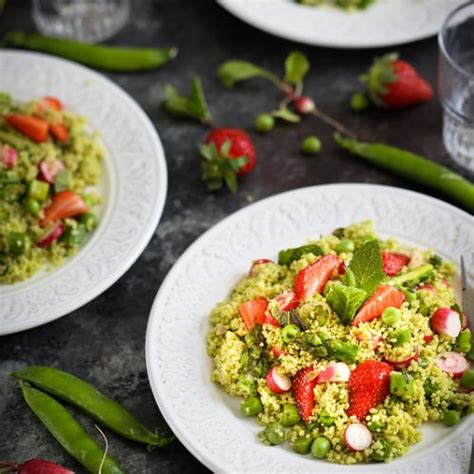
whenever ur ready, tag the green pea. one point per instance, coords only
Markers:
(302, 444)
(312, 339)
(401, 385)
(376, 425)
(463, 341)
(409, 295)
(467, 378)
(382, 454)
(264, 123)
(359, 102)
(311, 145)
(273, 434)
(390, 316)
(345, 246)
(89, 219)
(429, 388)
(33, 207)
(251, 406)
(290, 332)
(18, 243)
(320, 447)
(401, 336)
(325, 419)
(38, 190)
(451, 417)
(290, 415)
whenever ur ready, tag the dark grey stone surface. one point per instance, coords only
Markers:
(104, 341)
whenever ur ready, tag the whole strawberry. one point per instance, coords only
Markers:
(227, 153)
(394, 83)
(369, 385)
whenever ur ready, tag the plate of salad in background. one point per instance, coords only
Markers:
(83, 182)
(198, 335)
(345, 23)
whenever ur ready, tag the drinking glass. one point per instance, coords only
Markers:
(456, 84)
(85, 20)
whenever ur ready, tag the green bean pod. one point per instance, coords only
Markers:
(21, 143)
(68, 432)
(413, 167)
(92, 402)
(111, 58)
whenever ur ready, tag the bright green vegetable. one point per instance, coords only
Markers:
(463, 341)
(251, 406)
(312, 339)
(290, 332)
(273, 434)
(401, 384)
(345, 300)
(290, 415)
(302, 444)
(111, 58)
(381, 455)
(68, 432)
(345, 246)
(359, 102)
(320, 447)
(311, 145)
(264, 123)
(413, 167)
(18, 243)
(18, 142)
(325, 419)
(38, 190)
(344, 351)
(74, 235)
(92, 402)
(89, 219)
(467, 378)
(375, 425)
(409, 295)
(401, 336)
(390, 316)
(33, 207)
(286, 257)
(414, 276)
(451, 417)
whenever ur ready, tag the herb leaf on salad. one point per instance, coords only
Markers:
(345, 301)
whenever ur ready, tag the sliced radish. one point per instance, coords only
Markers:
(40, 466)
(277, 352)
(427, 287)
(49, 170)
(446, 321)
(404, 363)
(452, 363)
(337, 372)
(464, 321)
(8, 156)
(357, 437)
(269, 319)
(51, 235)
(277, 381)
(287, 300)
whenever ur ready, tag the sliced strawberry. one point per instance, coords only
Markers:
(253, 312)
(369, 385)
(59, 132)
(256, 263)
(51, 102)
(303, 384)
(427, 287)
(277, 352)
(428, 338)
(342, 268)
(269, 319)
(34, 128)
(287, 300)
(64, 204)
(51, 235)
(314, 277)
(385, 296)
(393, 262)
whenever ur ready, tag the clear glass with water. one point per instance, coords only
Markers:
(456, 84)
(84, 20)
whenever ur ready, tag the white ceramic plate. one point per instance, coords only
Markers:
(386, 23)
(134, 188)
(205, 419)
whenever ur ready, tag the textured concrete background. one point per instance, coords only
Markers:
(104, 341)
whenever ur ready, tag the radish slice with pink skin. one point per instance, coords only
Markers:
(428, 338)
(256, 263)
(277, 352)
(452, 363)
(337, 372)
(40, 466)
(50, 237)
(8, 156)
(287, 300)
(49, 170)
(427, 287)
(357, 437)
(403, 364)
(446, 321)
(277, 381)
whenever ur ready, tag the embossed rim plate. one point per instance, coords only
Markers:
(207, 421)
(386, 23)
(134, 187)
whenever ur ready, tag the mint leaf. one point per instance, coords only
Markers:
(345, 301)
(287, 115)
(285, 257)
(235, 70)
(296, 67)
(365, 269)
(193, 107)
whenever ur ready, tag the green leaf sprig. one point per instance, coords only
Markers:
(296, 67)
